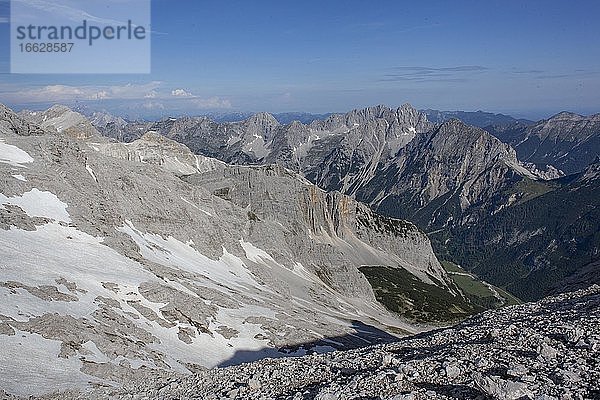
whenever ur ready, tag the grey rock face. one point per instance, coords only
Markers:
(370, 137)
(337, 153)
(62, 119)
(481, 365)
(370, 154)
(334, 221)
(444, 176)
(15, 124)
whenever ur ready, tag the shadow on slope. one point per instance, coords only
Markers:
(363, 335)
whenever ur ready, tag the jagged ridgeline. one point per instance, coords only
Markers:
(123, 261)
(493, 201)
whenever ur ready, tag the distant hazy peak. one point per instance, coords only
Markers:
(58, 109)
(566, 115)
(570, 116)
(263, 118)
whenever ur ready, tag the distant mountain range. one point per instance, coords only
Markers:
(567, 141)
(480, 119)
(282, 118)
(451, 178)
(476, 118)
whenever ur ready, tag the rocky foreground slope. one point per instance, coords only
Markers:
(544, 350)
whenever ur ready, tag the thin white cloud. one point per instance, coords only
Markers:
(181, 93)
(211, 103)
(153, 105)
(134, 91)
(151, 95)
(73, 14)
(66, 93)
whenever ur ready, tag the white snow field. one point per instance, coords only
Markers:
(13, 155)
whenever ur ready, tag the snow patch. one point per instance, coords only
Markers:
(255, 254)
(89, 169)
(39, 204)
(228, 270)
(39, 368)
(196, 207)
(301, 271)
(13, 155)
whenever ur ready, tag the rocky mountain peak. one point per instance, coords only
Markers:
(155, 138)
(453, 124)
(12, 123)
(460, 163)
(296, 125)
(566, 116)
(407, 108)
(461, 133)
(263, 119)
(62, 119)
(56, 110)
(566, 141)
(370, 112)
(102, 119)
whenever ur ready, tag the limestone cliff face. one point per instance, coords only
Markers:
(453, 172)
(328, 232)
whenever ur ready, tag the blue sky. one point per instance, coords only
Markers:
(528, 58)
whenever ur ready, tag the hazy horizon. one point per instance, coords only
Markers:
(156, 115)
(529, 60)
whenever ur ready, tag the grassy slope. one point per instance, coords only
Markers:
(478, 291)
(403, 293)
